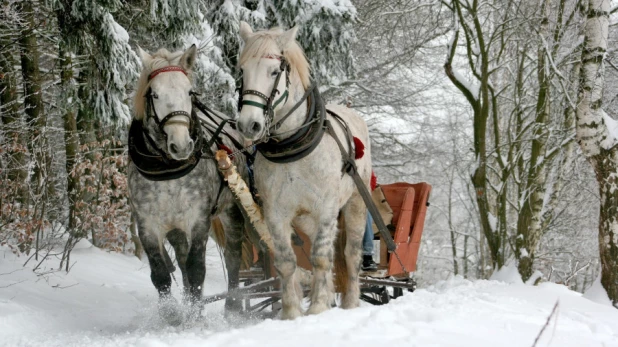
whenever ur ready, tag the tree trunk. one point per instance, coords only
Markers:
(481, 106)
(596, 142)
(71, 137)
(529, 230)
(33, 102)
(451, 227)
(16, 166)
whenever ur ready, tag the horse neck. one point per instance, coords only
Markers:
(296, 119)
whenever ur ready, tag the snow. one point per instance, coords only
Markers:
(597, 293)
(507, 274)
(107, 300)
(493, 222)
(612, 129)
(472, 87)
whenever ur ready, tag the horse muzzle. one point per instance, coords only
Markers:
(180, 152)
(250, 128)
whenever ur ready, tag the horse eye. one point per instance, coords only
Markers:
(275, 73)
(154, 95)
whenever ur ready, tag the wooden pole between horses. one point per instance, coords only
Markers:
(243, 195)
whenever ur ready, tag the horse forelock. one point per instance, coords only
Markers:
(161, 58)
(265, 43)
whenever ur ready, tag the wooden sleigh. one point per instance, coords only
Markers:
(408, 203)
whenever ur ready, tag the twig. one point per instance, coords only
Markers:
(41, 262)
(59, 287)
(553, 311)
(8, 273)
(12, 284)
(70, 267)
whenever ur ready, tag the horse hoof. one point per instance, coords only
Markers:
(317, 309)
(170, 312)
(350, 304)
(194, 312)
(233, 306)
(290, 314)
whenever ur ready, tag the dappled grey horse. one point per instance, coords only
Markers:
(174, 184)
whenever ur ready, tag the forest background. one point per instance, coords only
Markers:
(485, 100)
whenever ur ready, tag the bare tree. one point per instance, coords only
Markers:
(521, 138)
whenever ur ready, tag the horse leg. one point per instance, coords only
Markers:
(322, 262)
(285, 264)
(234, 225)
(354, 216)
(159, 274)
(196, 259)
(178, 240)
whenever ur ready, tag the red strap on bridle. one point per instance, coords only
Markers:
(272, 56)
(166, 69)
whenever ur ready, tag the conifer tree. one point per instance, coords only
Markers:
(325, 31)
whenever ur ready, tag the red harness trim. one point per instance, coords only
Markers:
(226, 149)
(166, 69)
(272, 56)
(374, 181)
(359, 148)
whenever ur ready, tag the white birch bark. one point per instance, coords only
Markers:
(596, 141)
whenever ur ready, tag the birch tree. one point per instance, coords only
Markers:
(596, 135)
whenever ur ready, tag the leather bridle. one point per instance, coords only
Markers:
(151, 112)
(271, 102)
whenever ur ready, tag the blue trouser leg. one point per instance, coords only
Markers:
(368, 237)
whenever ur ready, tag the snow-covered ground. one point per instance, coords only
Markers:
(108, 300)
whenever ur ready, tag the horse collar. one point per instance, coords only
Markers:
(304, 141)
(154, 164)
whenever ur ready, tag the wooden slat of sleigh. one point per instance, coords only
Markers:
(409, 204)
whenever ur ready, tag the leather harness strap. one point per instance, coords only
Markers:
(154, 73)
(349, 167)
(304, 141)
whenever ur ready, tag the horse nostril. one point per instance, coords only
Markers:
(174, 148)
(190, 146)
(256, 127)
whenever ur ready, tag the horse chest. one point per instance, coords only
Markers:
(311, 184)
(169, 204)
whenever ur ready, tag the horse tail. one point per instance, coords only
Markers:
(247, 254)
(340, 266)
(217, 232)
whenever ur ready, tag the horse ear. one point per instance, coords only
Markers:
(245, 31)
(188, 58)
(287, 38)
(146, 58)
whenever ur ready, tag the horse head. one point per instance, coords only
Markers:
(272, 63)
(163, 100)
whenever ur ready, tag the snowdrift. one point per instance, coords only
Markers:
(107, 300)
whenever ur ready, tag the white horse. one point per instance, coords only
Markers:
(308, 193)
